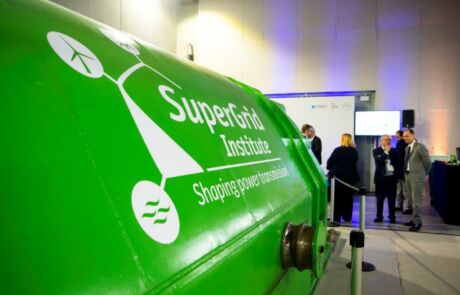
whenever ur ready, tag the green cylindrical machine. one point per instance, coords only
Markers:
(129, 171)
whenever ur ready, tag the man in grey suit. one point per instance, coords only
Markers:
(416, 166)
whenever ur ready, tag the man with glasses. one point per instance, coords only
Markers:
(384, 178)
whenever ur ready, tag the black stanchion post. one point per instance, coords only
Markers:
(332, 222)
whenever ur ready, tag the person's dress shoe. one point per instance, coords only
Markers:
(378, 220)
(415, 227)
(410, 223)
(393, 221)
(407, 212)
(398, 209)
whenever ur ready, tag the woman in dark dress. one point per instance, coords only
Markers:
(342, 164)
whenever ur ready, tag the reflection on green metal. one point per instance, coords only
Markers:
(127, 170)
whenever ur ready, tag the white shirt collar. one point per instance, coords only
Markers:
(412, 144)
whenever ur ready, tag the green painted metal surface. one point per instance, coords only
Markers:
(126, 170)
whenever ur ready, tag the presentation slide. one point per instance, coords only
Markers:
(377, 122)
(330, 115)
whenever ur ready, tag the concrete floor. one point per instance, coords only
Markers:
(421, 263)
(432, 222)
(407, 263)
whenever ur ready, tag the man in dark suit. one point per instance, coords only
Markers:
(384, 178)
(399, 174)
(417, 163)
(316, 147)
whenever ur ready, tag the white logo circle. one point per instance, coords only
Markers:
(75, 54)
(122, 40)
(155, 212)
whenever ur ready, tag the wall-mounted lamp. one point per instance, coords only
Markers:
(190, 53)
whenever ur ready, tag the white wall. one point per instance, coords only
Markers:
(406, 50)
(318, 112)
(151, 20)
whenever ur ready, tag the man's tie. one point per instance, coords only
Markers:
(406, 160)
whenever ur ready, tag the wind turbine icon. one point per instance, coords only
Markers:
(80, 56)
(75, 54)
(152, 206)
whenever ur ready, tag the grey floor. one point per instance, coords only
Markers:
(418, 263)
(432, 222)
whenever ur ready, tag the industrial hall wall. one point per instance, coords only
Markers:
(407, 51)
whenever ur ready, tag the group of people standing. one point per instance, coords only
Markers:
(342, 164)
(399, 176)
